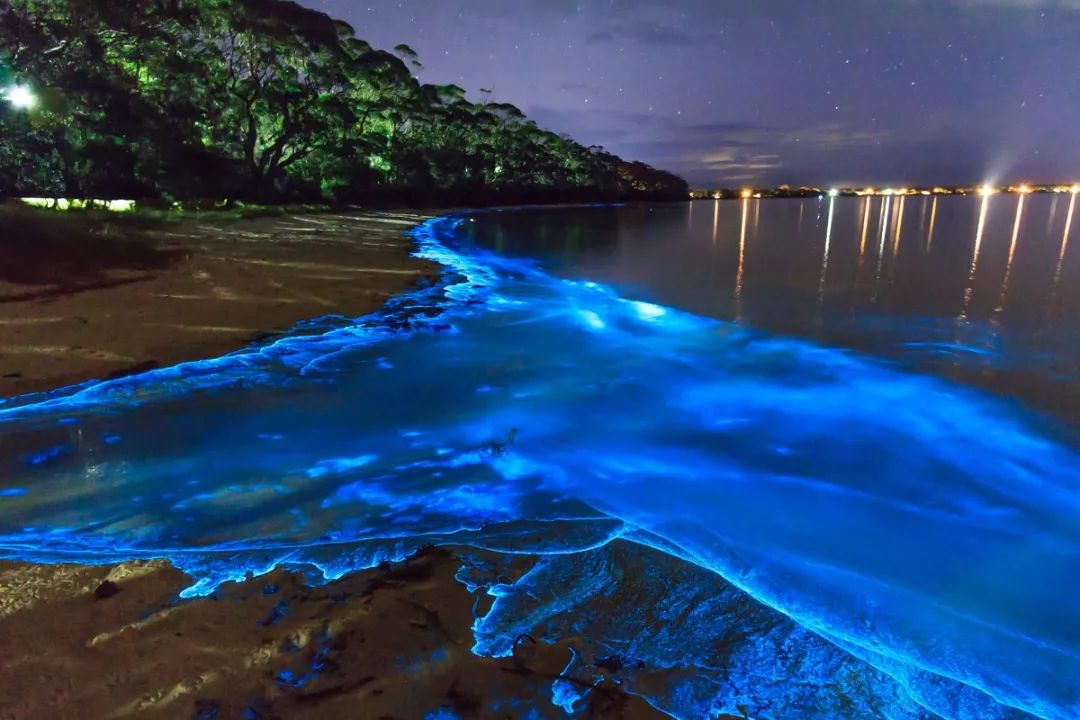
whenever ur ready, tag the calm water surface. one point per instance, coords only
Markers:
(983, 290)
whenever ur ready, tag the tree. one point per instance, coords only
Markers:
(265, 99)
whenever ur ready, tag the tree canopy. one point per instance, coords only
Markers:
(264, 100)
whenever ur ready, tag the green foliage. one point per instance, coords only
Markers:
(264, 100)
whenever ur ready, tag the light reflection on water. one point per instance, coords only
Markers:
(927, 529)
(926, 281)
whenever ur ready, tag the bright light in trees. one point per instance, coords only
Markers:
(21, 97)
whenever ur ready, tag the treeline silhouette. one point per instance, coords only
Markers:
(267, 101)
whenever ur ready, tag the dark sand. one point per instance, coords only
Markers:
(176, 291)
(116, 642)
(392, 642)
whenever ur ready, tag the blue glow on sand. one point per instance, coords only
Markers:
(442, 714)
(566, 694)
(920, 535)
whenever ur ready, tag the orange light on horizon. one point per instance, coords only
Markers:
(983, 190)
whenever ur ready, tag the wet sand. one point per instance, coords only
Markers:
(392, 642)
(130, 298)
(114, 642)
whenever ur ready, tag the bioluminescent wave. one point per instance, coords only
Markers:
(912, 545)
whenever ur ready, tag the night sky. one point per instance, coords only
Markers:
(763, 92)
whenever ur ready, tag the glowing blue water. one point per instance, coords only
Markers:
(924, 537)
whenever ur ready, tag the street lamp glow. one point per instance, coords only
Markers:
(747, 194)
(1024, 189)
(986, 190)
(834, 192)
(1075, 189)
(21, 97)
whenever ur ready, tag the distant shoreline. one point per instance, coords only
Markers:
(808, 191)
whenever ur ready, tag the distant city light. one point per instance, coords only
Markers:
(21, 97)
(985, 190)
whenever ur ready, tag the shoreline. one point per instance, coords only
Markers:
(394, 641)
(120, 640)
(55, 576)
(191, 290)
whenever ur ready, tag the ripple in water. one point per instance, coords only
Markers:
(749, 524)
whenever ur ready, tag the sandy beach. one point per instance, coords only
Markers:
(391, 642)
(112, 642)
(187, 290)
